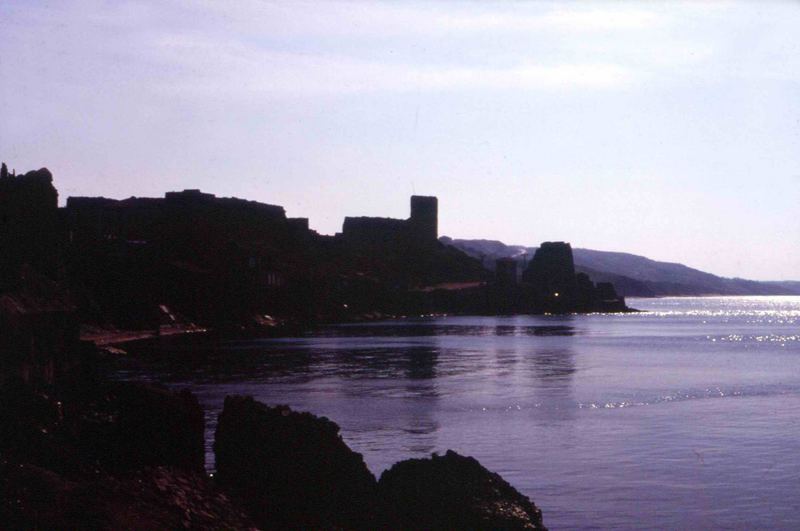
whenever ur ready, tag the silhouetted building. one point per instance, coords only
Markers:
(189, 196)
(189, 211)
(424, 220)
(421, 228)
(373, 230)
(224, 261)
(214, 259)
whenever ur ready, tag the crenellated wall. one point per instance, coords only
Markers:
(421, 228)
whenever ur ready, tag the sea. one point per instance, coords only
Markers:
(685, 415)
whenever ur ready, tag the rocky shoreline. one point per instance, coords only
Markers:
(78, 451)
(125, 455)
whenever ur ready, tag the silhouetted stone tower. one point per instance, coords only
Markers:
(424, 220)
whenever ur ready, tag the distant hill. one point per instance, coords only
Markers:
(633, 275)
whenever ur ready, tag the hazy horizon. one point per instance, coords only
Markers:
(665, 130)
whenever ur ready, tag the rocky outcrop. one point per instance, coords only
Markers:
(106, 455)
(552, 270)
(112, 428)
(128, 456)
(555, 287)
(291, 470)
(150, 499)
(29, 228)
(131, 426)
(452, 492)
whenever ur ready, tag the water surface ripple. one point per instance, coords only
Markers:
(685, 416)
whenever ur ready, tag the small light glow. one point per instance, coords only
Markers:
(555, 294)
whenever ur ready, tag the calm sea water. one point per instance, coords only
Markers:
(685, 416)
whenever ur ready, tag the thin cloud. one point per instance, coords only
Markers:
(387, 19)
(238, 71)
(558, 19)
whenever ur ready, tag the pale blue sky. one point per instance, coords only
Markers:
(665, 129)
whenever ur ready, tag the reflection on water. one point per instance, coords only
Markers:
(552, 370)
(411, 376)
(598, 418)
(415, 328)
(422, 364)
(554, 366)
(411, 362)
(420, 419)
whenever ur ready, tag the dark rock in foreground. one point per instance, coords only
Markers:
(132, 426)
(112, 427)
(453, 492)
(127, 456)
(106, 455)
(291, 470)
(150, 499)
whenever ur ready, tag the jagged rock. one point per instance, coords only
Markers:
(154, 499)
(133, 425)
(31, 497)
(286, 469)
(115, 428)
(150, 499)
(452, 492)
(606, 291)
(552, 270)
(32, 428)
(39, 341)
(291, 470)
(91, 456)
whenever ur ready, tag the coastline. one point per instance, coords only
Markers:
(87, 451)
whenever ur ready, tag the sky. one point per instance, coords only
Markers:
(666, 129)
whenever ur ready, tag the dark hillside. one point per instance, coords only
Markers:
(634, 275)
